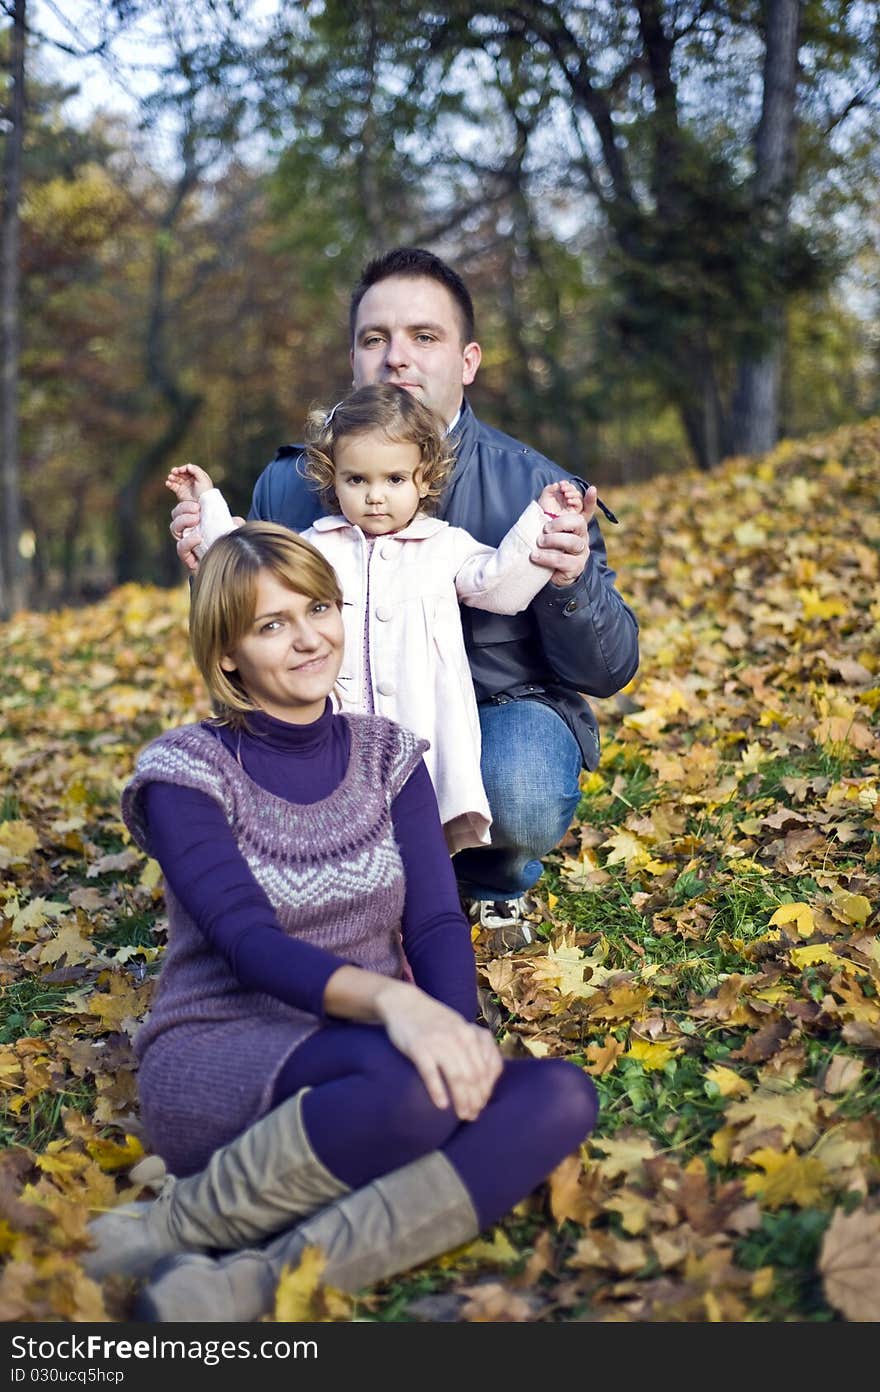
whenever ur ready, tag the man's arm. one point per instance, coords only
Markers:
(282, 494)
(589, 635)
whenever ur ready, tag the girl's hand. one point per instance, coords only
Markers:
(563, 546)
(459, 1063)
(188, 482)
(561, 497)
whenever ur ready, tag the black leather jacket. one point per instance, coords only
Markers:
(571, 639)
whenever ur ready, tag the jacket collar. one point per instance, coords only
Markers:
(420, 527)
(464, 443)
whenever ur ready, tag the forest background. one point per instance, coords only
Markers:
(667, 213)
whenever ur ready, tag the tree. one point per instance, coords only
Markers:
(686, 170)
(11, 587)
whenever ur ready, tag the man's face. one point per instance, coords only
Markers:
(408, 332)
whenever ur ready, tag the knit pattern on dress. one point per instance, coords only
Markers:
(211, 1050)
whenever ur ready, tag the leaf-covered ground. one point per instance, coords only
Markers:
(706, 937)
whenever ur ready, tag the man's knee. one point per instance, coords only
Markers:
(531, 768)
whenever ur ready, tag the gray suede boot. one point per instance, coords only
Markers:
(256, 1185)
(396, 1222)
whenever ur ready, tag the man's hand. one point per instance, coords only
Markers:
(563, 546)
(185, 530)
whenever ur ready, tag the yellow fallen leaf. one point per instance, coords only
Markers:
(851, 908)
(799, 914)
(762, 1282)
(625, 1155)
(787, 1178)
(592, 782)
(18, 841)
(728, 1082)
(626, 849)
(809, 956)
(652, 1056)
(68, 942)
(151, 875)
(658, 867)
(498, 1251)
(116, 1155)
(815, 607)
(570, 971)
(297, 1288)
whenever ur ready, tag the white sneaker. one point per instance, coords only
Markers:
(504, 919)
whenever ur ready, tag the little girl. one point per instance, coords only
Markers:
(380, 459)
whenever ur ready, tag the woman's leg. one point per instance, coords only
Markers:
(366, 1110)
(540, 1111)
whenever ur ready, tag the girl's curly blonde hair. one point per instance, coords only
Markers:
(401, 419)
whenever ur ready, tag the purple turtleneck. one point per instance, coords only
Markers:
(200, 860)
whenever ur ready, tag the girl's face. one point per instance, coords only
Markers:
(377, 482)
(290, 656)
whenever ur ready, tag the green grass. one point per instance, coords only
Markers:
(41, 1121)
(28, 1008)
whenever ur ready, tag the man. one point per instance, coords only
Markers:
(412, 324)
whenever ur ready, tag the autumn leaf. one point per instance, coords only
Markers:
(116, 1155)
(842, 1073)
(652, 1056)
(571, 1197)
(495, 1303)
(301, 1296)
(850, 1264)
(799, 914)
(18, 840)
(787, 1178)
(602, 1057)
(728, 1082)
(625, 1154)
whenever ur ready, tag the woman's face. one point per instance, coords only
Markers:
(290, 656)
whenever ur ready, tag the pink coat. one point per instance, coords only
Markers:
(408, 641)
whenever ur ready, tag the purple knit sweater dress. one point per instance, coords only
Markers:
(211, 1050)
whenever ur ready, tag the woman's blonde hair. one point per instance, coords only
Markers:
(224, 597)
(401, 419)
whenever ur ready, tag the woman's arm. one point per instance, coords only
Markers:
(436, 934)
(459, 1063)
(200, 859)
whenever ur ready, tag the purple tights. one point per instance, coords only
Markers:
(368, 1113)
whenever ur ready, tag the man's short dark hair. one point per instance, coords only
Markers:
(415, 262)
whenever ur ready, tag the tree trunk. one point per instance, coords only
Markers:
(11, 576)
(756, 402)
(702, 413)
(182, 405)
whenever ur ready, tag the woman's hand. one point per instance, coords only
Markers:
(459, 1063)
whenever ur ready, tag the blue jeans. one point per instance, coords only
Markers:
(531, 767)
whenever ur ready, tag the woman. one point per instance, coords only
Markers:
(288, 1070)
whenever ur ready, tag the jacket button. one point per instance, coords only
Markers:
(387, 551)
(385, 688)
(383, 612)
(570, 607)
